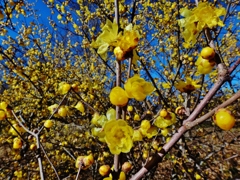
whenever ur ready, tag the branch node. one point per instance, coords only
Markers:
(155, 160)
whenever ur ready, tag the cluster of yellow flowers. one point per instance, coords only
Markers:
(135, 87)
(203, 16)
(124, 42)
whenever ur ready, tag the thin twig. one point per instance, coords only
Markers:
(49, 161)
(79, 170)
(118, 83)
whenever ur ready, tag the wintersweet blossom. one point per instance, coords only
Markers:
(64, 88)
(118, 136)
(188, 86)
(124, 42)
(200, 17)
(107, 38)
(84, 161)
(137, 135)
(138, 88)
(99, 121)
(204, 66)
(163, 122)
(129, 39)
(147, 129)
(118, 96)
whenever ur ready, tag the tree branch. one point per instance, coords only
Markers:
(223, 75)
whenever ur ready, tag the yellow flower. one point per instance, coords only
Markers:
(122, 176)
(137, 135)
(3, 105)
(204, 66)
(118, 136)
(119, 53)
(149, 133)
(118, 96)
(188, 86)
(166, 121)
(100, 120)
(79, 106)
(166, 85)
(124, 41)
(64, 88)
(84, 161)
(16, 129)
(147, 129)
(98, 132)
(138, 88)
(52, 108)
(3, 110)
(200, 17)
(107, 38)
(129, 39)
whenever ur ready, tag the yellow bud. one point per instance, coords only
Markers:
(163, 113)
(33, 147)
(164, 132)
(126, 167)
(197, 176)
(118, 96)
(80, 107)
(136, 117)
(48, 123)
(129, 108)
(145, 124)
(224, 119)
(17, 143)
(122, 176)
(62, 111)
(59, 17)
(208, 53)
(104, 170)
(118, 52)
